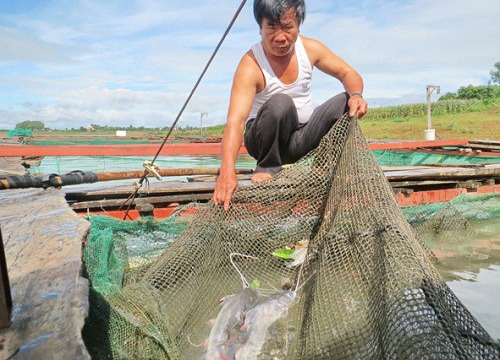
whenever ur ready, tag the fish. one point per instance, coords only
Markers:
(225, 335)
(257, 321)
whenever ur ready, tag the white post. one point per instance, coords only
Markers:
(430, 133)
(201, 121)
(429, 92)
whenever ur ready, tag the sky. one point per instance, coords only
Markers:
(129, 62)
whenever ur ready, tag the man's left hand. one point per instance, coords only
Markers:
(357, 106)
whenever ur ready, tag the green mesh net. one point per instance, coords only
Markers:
(116, 254)
(318, 263)
(470, 206)
(413, 158)
(20, 132)
(462, 233)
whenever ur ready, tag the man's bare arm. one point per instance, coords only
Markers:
(242, 96)
(328, 62)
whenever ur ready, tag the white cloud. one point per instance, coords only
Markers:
(17, 46)
(135, 62)
(402, 47)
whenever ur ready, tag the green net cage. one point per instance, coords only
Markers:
(318, 263)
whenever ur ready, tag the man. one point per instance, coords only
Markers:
(271, 101)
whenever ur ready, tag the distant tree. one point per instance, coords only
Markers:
(30, 125)
(478, 92)
(474, 92)
(495, 74)
(448, 96)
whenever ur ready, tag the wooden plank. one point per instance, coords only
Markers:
(405, 167)
(458, 152)
(485, 142)
(457, 165)
(43, 242)
(430, 183)
(157, 188)
(416, 144)
(10, 166)
(416, 176)
(131, 174)
(494, 148)
(156, 200)
(488, 171)
(210, 178)
(11, 141)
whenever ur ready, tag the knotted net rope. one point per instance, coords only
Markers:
(366, 289)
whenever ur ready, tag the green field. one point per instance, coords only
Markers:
(452, 119)
(465, 126)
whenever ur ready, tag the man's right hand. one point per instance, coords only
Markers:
(226, 185)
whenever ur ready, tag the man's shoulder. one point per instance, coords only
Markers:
(249, 60)
(249, 67)
(314, 48)
(310, 43)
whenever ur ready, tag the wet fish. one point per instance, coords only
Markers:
(223, 340)
(259, 318)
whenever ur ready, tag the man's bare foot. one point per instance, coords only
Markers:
(260, 177)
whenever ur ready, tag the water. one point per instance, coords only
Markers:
(63, 165)
(471, 269)
(480, 295)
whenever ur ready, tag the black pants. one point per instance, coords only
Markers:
(275, 137)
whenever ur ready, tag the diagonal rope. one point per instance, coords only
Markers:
(132, 196)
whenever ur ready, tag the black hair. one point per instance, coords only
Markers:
(274, 9)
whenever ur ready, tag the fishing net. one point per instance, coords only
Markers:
(462, 233)
(318, 263)
(116, 254)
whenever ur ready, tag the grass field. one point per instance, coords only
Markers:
(471, 125)
(483, 124)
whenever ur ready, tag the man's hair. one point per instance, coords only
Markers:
(274, 9)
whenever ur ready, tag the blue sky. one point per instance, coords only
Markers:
(117, 62)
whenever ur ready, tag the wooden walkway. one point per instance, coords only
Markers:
(43, 241)
(412, 185)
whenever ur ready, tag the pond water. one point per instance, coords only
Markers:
(66, 164)
(471, 268)
(62, 165)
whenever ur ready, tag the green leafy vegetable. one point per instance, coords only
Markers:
(255, 284)
(284, 253)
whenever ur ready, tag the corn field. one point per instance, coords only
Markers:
(442, 107)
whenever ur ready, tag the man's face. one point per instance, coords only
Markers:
(279, 39)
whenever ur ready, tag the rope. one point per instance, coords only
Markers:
(144, 176)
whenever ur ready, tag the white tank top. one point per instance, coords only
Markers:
(299, 90)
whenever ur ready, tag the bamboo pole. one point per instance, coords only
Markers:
(107, 176)
(79, 177)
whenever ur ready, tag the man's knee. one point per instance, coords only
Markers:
(338, 103)
(330, 111)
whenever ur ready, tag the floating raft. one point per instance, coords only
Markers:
(43, 239)
(412, 185)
